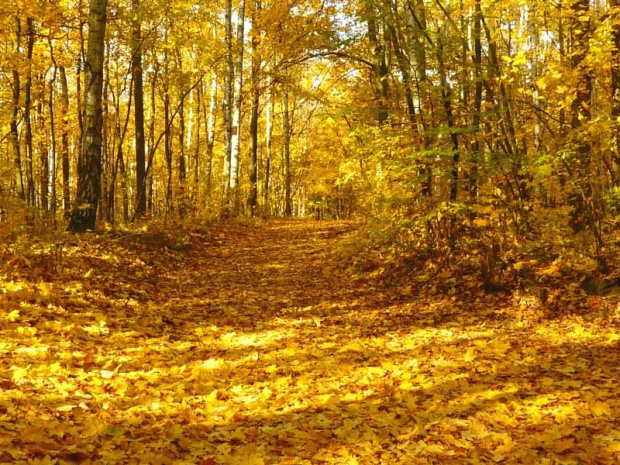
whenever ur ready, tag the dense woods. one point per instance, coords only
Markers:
(325, 231)
(447, 117)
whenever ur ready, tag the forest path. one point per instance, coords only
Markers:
(251, 345)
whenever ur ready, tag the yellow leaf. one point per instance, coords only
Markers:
(428, 449)
(600, 408)
(561, 445)
(19, 373)
(470, 355)
(66, 408)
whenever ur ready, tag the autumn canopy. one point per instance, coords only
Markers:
(309, 231)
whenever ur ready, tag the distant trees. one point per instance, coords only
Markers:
(457, 119)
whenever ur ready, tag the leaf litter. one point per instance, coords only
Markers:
(253, 345)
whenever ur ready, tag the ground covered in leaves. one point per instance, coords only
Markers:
(252, 345)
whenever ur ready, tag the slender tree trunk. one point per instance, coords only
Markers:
(197, 146)
(477, 116)
(84, 214)
(107, 146)
(53, 152)
(404, 67)
(138, 96)
(124, 184)
(416, 26)
(17, 159)
(211, 120)
(30, 188)
(288, 201)
(64, 109)
(446, 98)
(228, 106)
(78, 74)
(168, 150)
(534, 37)
(149, 169)
(379, 63)
(614, 5)
(256, 61)
(268, 149)
(118, 162)
(236, 115)
(580, 114)
(43, 149)
(182, 162)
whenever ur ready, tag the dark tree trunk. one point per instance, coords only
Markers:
(580, 113)
(477, 117)
(64, 109)
(615, 85)
(17, 159)
(138, 95)
(379, 63)
(288, 201)
(168, 150)
(30, 190)
(256, 60)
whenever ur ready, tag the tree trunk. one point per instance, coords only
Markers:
(168, 149)
(148, 188)
(17, 159)
(84, 214)
(416, 26)
(446, 98)
(64, 109)
(288, 201)
(211, 120)
(43, 148)
(53, 157)
(268, 148)
(236, 114)
(580, 114)
(379, 64)
(138, 96)
(182, 161)
(614, 6)
(124, 184)
(228, 105)
(30, 192)
(256, 61)
(477, 117)
(198, 110)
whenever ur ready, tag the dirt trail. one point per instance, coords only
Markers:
(248, 345)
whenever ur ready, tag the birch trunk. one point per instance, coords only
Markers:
(89, 164)
(236, 114)
(211, 120)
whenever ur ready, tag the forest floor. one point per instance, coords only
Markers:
(251, 344)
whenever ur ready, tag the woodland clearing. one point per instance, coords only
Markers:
(252, 344)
